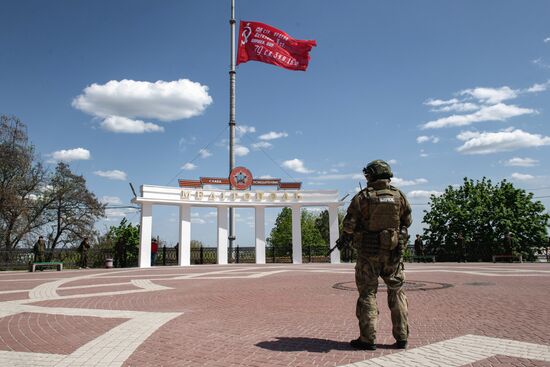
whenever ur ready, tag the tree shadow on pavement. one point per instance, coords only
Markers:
(313, 345)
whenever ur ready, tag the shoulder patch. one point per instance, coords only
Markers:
(387, 199)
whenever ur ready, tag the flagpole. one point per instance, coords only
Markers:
(232, 124)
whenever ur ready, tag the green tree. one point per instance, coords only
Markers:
(310, 233)
(281, 234)
(125, 235)
(22, 181)
(196, 244)
(322, 224)
(482, 213)
(73, 209)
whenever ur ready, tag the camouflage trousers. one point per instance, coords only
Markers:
(40, 257)
(367, 271)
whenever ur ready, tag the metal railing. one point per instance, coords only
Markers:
(19, 259)
(243, 255)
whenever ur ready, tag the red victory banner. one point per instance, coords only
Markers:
(262, 42)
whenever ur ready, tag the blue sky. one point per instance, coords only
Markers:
(131, 91)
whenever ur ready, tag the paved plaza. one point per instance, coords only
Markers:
(271, 315)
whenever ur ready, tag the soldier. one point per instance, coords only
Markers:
(40, 250)
(83, 248)
(507, 243)
(120, 249)
(460, 247)
(377, 221)
(418, 246)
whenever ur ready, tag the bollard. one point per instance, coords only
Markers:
(108, 263)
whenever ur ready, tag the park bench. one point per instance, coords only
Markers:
(508, 256)
(425, 258)
(46, 264)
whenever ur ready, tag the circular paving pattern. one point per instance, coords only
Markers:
(411, 285)
(477, 284)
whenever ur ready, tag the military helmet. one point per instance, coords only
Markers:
(377, 169)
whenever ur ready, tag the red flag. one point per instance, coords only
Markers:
(262, 42)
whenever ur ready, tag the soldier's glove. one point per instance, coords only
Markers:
(344, 241)
(400, 248)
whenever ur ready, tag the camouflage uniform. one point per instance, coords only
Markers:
(40, 250)
(83, 248)
(375, 218)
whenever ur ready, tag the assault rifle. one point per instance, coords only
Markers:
(344, 242)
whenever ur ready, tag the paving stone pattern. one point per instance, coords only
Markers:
(270, 315)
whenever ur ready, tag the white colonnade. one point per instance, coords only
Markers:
(224, 199)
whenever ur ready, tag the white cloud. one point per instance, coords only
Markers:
(342, 176)
(521, 162)
(188, 166)
(424, 138)
(451, 105)
(262, 145)
(340, 165)
(458, 107)
(540, 62)
(183, 142)
(198, 221)
(535, 88)
(119, 213)
(439, 102)
(402, 182)
(487, 106)
(296, 165)
(522, 177)
(204, 153)
(244, 129)
(423, 194)
(112, 175)
(113, 200)
(161, 100)
(273, 135)
(546, 40)
(498, 112)
(392, 161)
(119, 124)
(241, 151)
(491, 95)
(493, 142)
(69, 155)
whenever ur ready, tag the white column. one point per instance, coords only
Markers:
(334, 233)
(184, 249)
(296, 235)
(222, 234)
(259, 226)
(146, 229)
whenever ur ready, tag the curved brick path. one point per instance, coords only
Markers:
(270, 315)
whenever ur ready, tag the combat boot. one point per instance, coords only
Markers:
(400, 344)
(359, 344)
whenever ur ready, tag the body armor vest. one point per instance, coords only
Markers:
(384, 207)
(381, 219)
